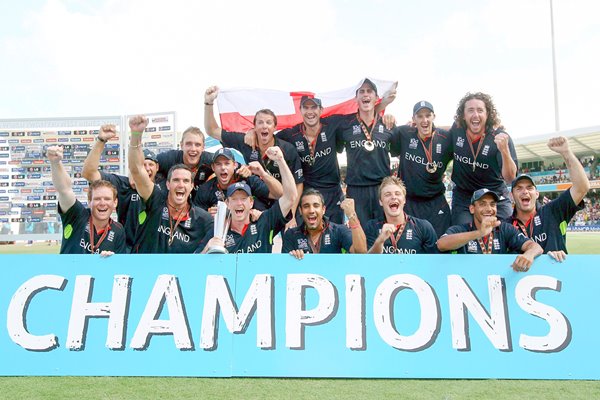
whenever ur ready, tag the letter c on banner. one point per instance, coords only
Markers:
(16, 314)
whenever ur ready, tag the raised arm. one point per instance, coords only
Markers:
(359, 240)
(455, 241)
(287, 180)
(92, 162)
(210, 122)
(60, 179)
(275, 188)
(135, 157)
(387, 99)
(581, 184)
(509, 168)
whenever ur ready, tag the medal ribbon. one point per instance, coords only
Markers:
(173, 228)
(475, 154)
(368, 133)
(399, 229)
(523, 226)
(91, 228)
(315, 246)
(428, 152)
(489, 241)
(312, 144)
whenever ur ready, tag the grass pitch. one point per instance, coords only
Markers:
(65, 388)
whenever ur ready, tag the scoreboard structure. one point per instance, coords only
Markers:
(28, 200)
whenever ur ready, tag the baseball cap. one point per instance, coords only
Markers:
(520, 178)
(150, 155)
(370, 83)
(421, 105)
(223, 152)
(239, 186)
(478, 194)
(313, 99)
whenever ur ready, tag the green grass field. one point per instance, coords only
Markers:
(267, 388)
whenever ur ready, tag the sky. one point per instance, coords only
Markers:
(70, 58)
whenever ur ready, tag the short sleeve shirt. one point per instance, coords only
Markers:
(506, 240)
(549, 225)
(258, 236)
(157, 227)
(414, 157)
(418, 237)
(320, 166)
(76, 233)
(478, 165)
(129, 206)
(335, 239)
(365, 168)
(236, 140)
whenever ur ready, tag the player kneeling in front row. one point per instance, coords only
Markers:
(398, 232)
(86, 230)
(257, 237)
(318, 235)
(488, 235)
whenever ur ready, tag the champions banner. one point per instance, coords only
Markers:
(362, 316)
(237, 107)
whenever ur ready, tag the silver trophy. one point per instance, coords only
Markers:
(221, 227)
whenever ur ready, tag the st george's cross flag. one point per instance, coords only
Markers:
(237, 107)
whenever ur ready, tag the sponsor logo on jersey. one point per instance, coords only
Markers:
(356, 130)
(472, 246)
(300, 145)
(413, 143)
(303, 244)
(460, 142)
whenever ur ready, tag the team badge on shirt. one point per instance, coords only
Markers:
(229, 241)
(413, 143)
(537, 220)
(201, 175)
(438, 148)
(409, 234)
(496, 244)
(380, 128)
(472, 246)
(327, 240)
(460, 142)
(188, 223)
(302, 244)
(111, 236)
(323, 137)
(485, 150)
(253, 230)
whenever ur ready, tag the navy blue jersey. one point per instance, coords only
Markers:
(411, 151)
(506, 240)
(321, 169)
(157, 227)
(335, 239)
(549, 225)
(257, 237)
(488, 163)
(210, 193)
(76, 233)
(235, 140)
(129, 206)
(365, 168)
(418, 237)
(173, 157)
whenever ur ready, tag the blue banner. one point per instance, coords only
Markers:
(364, 316)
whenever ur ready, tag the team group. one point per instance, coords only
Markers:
(291, 183)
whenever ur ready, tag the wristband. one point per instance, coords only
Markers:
(99, 139)
(136, 133)
(354, 226)
(135, 147)
(352, 216)
(208, 104)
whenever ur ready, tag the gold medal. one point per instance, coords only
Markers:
(369, 146)
(431, 167)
